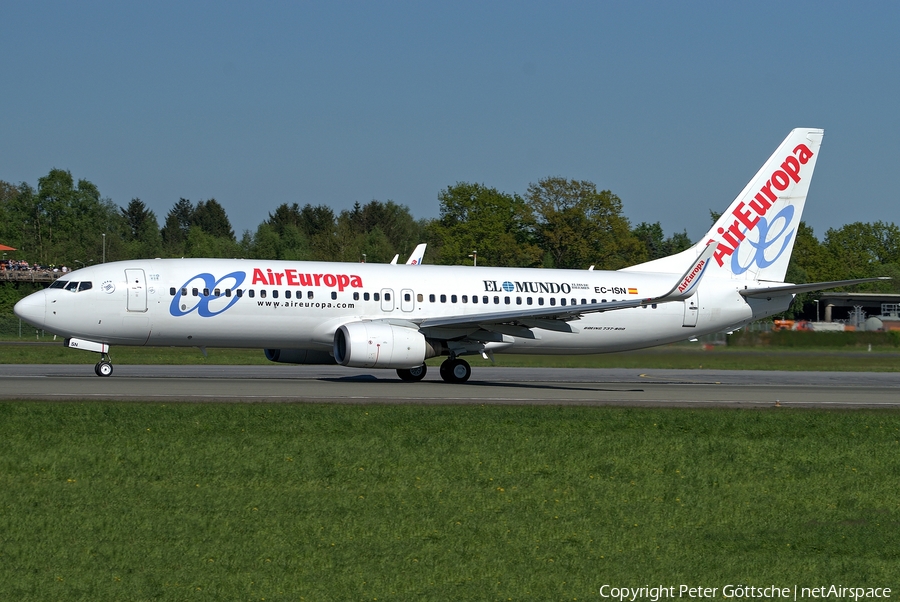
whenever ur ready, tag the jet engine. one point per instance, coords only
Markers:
(380, 345)
(298, 356)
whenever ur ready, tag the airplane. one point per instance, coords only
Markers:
(395, 317)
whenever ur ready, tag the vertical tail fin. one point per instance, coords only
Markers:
(756, 233)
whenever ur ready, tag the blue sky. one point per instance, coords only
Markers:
(672, 106)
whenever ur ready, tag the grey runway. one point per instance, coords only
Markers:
(492, 385)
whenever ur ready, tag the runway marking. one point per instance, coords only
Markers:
(680, 381)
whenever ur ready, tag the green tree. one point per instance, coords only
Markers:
(579, 226)
(178, 224)
(69, 220)
(210, 217)
(655, 242)
(140, 231)
(476, 218)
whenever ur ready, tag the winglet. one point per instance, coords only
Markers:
(688, 283)
(417, 255)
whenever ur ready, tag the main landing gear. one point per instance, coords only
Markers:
(413, 374)
(104, 367)
(453, 370)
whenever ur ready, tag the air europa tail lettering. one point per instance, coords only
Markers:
(691, 276)
(747, 217)
(291, 277)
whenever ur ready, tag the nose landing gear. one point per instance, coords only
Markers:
(104, 367)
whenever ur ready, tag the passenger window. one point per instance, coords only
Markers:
(452, 298)
(420, 297)
(287, 294)
(184, 292)
(552, 301)
(407, 297)
(333, 295)
(443, 298)
(529, 301)
(593, 300)
(84, 286)
(603, 301)
(310, 294)
(195, 292)
(218, 293)
(72, 286)
(584, 301)
(431, 298)
(540, 300)
(206, 292)
(474, 298)
(518, 300)
(228, 292)
(171, 291)
(365, 296)
(275, 294)
(262, 294)
(356, 296)
(465, 298)
(376, 296)
(506, 300)
(496, 300)
(239, 292)
(387, 297)
(251, 293)
(484, 299)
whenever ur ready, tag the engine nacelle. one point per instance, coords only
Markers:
(379, 345)
(298, 356)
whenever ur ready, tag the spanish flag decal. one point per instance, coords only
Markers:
(632, 291)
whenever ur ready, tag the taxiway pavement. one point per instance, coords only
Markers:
(526, 386)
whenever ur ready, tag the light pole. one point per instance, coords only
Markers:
(104, 247)
(474, 257)
(817, 309)
(79, 261)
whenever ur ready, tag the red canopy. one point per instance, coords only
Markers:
(5, 248)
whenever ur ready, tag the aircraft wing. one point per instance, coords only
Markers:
(555, 318)
(793, 289)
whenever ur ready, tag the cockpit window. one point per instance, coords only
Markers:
(59, 284)
(84, 286)
(72, 286)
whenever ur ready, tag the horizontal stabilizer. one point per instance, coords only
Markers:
(794, 289)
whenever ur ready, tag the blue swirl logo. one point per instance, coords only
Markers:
(182, 305)
(765, 239)
(508, 286)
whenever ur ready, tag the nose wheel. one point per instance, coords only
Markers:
(104, 367)
(456, 370)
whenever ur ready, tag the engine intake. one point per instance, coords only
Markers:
(379, 345)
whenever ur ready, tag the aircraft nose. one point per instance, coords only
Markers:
(32, 308)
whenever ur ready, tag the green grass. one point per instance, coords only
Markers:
(294, 502)
(681, 356)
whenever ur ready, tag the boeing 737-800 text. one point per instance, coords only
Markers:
(397, 316)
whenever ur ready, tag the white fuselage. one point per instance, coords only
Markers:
(300, 305)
